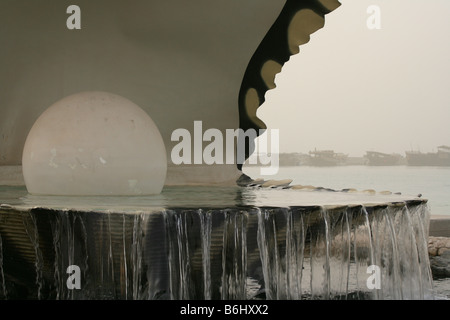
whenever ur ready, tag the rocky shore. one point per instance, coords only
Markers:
(439, 254)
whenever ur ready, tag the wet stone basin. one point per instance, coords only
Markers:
(214, 243)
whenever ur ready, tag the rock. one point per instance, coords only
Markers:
(432, 251)
(445, 254)
(438, 245)
(441, 242)
(440, 266)
(439, 254)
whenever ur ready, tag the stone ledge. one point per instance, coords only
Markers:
(439, 226)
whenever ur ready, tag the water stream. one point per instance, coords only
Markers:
(353, 251)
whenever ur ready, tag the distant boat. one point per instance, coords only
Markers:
(439, 158)
(382, 159)
(323, 158)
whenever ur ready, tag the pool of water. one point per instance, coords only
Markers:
(201, 196)
(442, 288)
(432, 182)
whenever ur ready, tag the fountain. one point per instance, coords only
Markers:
(253, 243)
(212, 233)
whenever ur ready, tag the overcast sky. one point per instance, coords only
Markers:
(353, 89)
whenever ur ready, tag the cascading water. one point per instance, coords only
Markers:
(137, 255)
(4, 293)
(372, 251)
(205, 227)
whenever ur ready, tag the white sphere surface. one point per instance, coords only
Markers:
(94, 143)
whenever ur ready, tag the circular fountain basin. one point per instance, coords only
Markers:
(215, 243)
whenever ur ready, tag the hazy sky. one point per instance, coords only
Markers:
(353, 89)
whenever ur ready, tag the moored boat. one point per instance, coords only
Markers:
(325, 158)
(376, 158)
(439, 158)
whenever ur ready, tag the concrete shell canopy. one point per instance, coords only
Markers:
(180, 61)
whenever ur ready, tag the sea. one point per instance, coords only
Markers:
(431, 183)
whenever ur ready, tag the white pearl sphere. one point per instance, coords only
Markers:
(94, 143)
